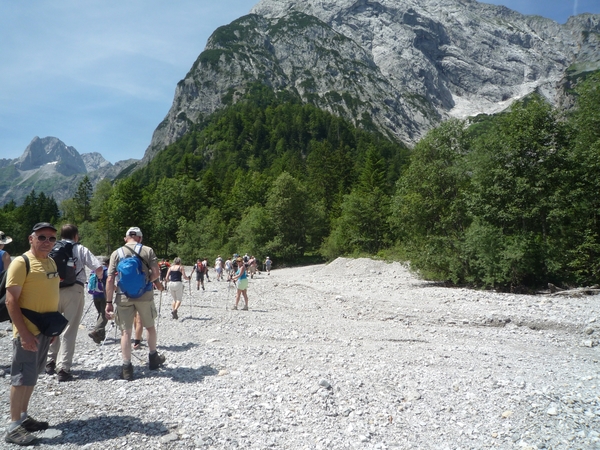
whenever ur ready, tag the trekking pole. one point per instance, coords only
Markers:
(106, 333)
(159, 305)
(86, 311)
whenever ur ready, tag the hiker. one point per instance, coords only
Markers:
(38, 290)
(268, 265)
(142, 300)
(205, 264)
(219, 267)
(252, 266)
(72, 299)
(4, 256)
(174, 278)
(241, 279)
(99, 298)
(199, 270)
(229, 269)
(164, 268)
(138, 330)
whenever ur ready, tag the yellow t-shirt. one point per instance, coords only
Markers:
(38, 292)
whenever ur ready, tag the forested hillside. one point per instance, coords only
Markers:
(504, 201)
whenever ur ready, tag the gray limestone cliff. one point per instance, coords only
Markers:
(403, 65)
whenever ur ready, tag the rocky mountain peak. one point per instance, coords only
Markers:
(50, 150)
(403, 66)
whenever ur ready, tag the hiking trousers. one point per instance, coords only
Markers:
(71, 306)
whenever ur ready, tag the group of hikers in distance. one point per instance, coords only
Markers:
(49, 281)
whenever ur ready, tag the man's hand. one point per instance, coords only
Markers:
(109, 311)
(29, 342)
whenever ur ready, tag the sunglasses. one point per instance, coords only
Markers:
(43, 238)
(52, 275)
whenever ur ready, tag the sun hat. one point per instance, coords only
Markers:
(4, 239)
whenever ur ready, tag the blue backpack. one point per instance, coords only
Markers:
(96, 286)
(132, 279)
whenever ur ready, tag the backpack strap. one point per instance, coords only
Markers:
(135, 252)
(28, 265)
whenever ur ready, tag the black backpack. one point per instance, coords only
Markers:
(62, 254)
(4, 316)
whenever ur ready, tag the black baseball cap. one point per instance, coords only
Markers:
(39, 226)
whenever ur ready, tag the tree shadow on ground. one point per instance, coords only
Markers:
(103, 428)
(141, 371)
(201, 319)
(179, 348)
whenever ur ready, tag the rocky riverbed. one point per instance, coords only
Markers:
(356, 354)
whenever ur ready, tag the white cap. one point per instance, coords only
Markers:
(134, 231)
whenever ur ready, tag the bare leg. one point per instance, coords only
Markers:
(19, 400)
(126, 345)
(152, 338)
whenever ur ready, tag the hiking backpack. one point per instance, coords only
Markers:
(4, 316)
(62, 254)
(131, 277)
(95, 285)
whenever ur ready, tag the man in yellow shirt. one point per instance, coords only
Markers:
(36, 290)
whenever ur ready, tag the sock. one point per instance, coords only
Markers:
(14, 425)
(23, 416)
(126, 363)
(153, 352)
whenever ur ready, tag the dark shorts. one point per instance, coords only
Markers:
(26, 365)
(199, 276)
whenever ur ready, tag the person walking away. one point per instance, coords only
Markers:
(241, 279)
(4, 256)
(138, 330)
(219, 267)
(174, 277)
(164, 268)
(268, 265)
(205, 264)
(72, 298)
(199, 270)
(99, 298)
(229, 269)
(31, 284)
(128, 303)
(252, 266)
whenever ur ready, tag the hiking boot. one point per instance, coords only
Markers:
(137, 344)
(97, 337)
(63, 375)
(32, 425)
(51, 367)
(127, 372)
(234, 307)
(20, 436)
(245, 308)
(174, 314)
(155, 360)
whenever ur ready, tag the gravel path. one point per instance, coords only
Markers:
(356, 354)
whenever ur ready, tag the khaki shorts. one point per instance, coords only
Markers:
(126, 312)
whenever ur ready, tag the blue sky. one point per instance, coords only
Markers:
(101, 74)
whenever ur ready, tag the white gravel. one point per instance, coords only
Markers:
(356, 354)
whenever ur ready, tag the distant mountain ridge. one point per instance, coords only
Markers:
(404, 66)
(48, 165)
